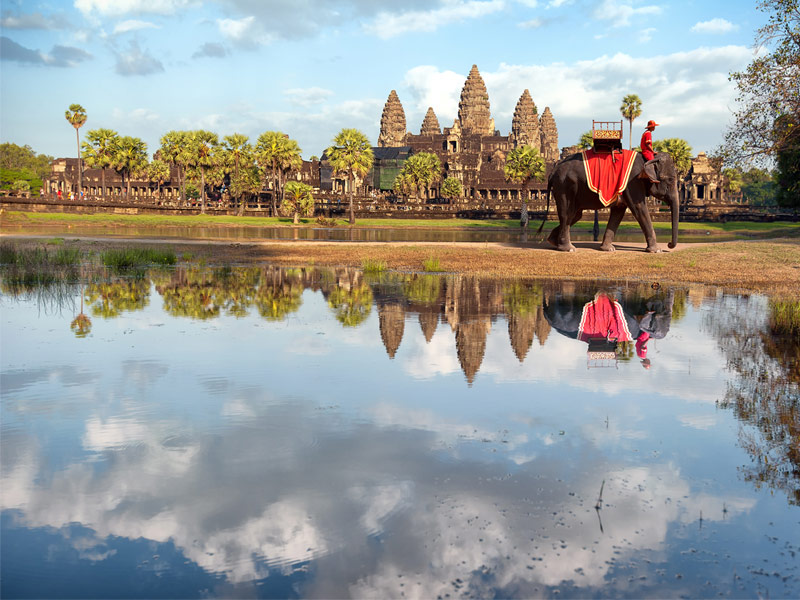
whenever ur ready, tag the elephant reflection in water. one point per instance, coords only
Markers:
(606, 324)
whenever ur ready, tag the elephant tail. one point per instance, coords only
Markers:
(546, 210)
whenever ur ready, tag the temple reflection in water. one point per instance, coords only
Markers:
(244, 429)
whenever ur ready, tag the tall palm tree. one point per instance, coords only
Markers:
(99, 151)
(523, 165)
(631, 108)
(239, 154)
(130, 158)
(158, 172)
(201, 145)
(76, 115)
(351, 155)
(278, 155)
(175, 150)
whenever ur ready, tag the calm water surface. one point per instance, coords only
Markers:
(310, 433)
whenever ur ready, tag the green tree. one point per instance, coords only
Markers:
(351, 155)
(175, 151)
(451, 188)
(201, 157)
(158, 172)
(298, 200)
(130, 158)
(239, 157)
(766, 124)
(403, 184)
(76, 116)
(680, 151)
(22, 163)
(523, 165)
(423, 169)
(631, 109)
(278, 155)
(99, 151)
(587, 141)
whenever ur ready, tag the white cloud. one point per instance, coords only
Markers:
(387, 25)
(133, 25)
(620, 13)
(532, 24)
(115, 8)
(645, 35)
(137, 61)
(246, 32)
(306, 97)
(714, 26)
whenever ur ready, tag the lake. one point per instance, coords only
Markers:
(326, 433)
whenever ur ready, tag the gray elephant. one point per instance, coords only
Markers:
(572, 195)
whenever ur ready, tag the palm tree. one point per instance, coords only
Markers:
(351, 155)
(278, 155)
(451, 188)
(174, 150)
(239, 154)
(680, 151)
(130, 157)
(76, 115)
(631, 108)
(424, 169)
(201, 148)
(99, 151)
(158, 171)
(523, 165)
(586, 141)
(298, 200)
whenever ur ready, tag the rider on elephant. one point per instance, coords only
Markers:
(647, 140)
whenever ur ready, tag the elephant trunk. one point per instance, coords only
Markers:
(675, 206)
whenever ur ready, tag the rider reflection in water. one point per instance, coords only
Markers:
(603, 322)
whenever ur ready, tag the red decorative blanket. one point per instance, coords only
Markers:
(603, 318)
(607, 173)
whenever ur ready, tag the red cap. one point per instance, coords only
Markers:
(651, 123)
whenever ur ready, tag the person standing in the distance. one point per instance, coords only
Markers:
(647, 140)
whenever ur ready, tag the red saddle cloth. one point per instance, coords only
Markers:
(603, 318)
(607, 173)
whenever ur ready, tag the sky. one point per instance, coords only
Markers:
(312, 67)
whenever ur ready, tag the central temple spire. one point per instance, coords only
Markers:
(474, 113)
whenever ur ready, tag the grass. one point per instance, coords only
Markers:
(44, 219)
(431, 265)
(127, 258)
(369, 265)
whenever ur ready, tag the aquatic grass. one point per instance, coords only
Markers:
(784, 316)
(128, 258)
(57, 241)
(431, 265)
(369, 265)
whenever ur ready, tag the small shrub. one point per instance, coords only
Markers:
(55, 242)
(326, 222)
(431, 265)
(187, 256)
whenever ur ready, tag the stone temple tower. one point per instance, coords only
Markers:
(474, 114)
(393, 123)
(430, 124)
(525, 124)
(549, 136)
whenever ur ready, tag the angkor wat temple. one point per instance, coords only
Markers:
(472, 150)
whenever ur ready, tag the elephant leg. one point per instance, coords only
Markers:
(639, 210)
(560, 236)
(617, 212)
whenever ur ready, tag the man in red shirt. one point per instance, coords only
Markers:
(647, 140)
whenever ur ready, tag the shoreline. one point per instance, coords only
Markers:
(771, 267)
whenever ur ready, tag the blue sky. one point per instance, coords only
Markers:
(312, 67)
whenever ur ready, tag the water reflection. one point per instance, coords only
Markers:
(301, 433)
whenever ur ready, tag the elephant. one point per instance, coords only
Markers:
(572, 195)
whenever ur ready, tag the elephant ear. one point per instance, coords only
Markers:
(649, 171)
